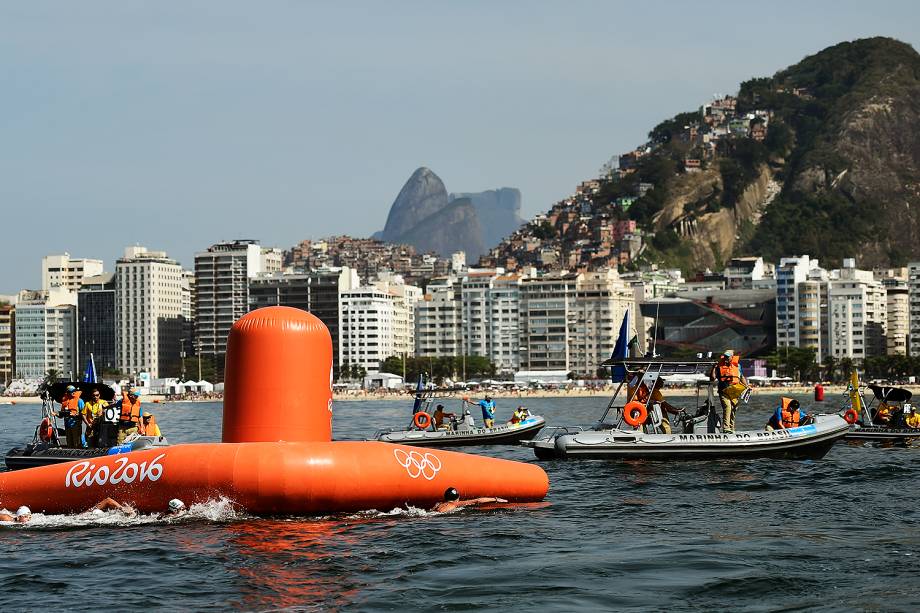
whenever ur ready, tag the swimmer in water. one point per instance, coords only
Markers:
(175, 508)
(109, 504)
(23, 515)
(452, 501)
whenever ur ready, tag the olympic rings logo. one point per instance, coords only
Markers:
(417, 464)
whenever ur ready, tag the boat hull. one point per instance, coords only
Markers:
(805, 442)
(499, 435)
(879, 434)
(31, 456)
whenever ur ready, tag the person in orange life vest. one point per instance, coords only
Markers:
(439, 416)
(151, 428)
(787, 415)
(728, 374)
(882, 415)
(636, 389)
(130, 415)
(71, 411)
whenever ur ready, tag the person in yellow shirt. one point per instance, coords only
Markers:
(92, 416)
(913, 419)
(150, 425)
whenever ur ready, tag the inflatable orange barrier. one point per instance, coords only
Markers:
(277, 457)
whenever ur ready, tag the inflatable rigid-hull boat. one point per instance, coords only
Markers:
(504, 434)
(43, 454)
(812, 441)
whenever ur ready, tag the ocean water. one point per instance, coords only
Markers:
(842, 533)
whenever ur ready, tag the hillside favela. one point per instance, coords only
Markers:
(648, 341)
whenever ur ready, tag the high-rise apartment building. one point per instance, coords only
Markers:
(222, 275)
(62, 271)
(547, 316)
(856, 313)
(96, 323)
(913, 298)
(377, 321)
(7, 342)
(150, 298)
(490, 317)
(897, 316)
(317, 291)
(438, 317)
(46, 333)
(601, 301)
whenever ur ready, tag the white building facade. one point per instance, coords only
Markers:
(151, 300)
(856, 313)
(62, 271)
(376, 322)
(46, 333)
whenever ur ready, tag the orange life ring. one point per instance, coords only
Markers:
(422, 420)
(851, 416)
(635, 413)
(45, 430)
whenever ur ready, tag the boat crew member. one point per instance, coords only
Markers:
(439, 416)
(520, 414)
(636, 389)
(151, 428)
(71, 409)
(22, 515)
(787, 415)
(913, 419)
(130, 415)
(488, 411)
(92, 417)
(731, 386)
(452, 501)
(882, 414)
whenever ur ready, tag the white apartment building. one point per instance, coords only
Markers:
(913, 298)
(790, 272)
(897, 319)
(66, 272)
(151, 298)
(744, 272)
(222, 275)
(547, 312)
(377, 321)
(490, 321)
(438, 318)
(7, 348)
(46, 333)
(601, 302)
(856, 313)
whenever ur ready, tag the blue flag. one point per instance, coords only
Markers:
(418, 395)
(621, 351)
(89, 374)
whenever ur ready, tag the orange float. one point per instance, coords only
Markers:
(277, 456)
(635, 413)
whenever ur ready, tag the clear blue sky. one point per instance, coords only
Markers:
(178, 124)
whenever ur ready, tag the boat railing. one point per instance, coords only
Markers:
(553, 431)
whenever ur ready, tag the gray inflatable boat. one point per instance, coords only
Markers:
(457, 430)
(882, 420)
(695, 436)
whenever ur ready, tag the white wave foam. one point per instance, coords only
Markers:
(221, 510)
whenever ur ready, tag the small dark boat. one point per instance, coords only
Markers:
(883, 419)
(634, 428)
(457, 431)
(46, 445)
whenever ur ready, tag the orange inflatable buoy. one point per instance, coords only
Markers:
(851, 416)
(277, 455)
(635, 413)
(422, 420)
